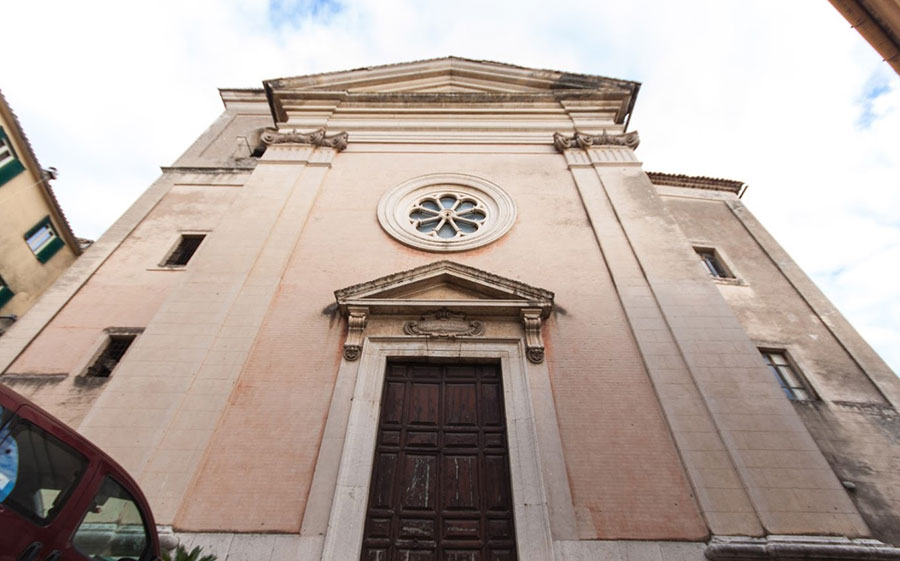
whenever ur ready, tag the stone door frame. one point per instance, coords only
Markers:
(528, 429)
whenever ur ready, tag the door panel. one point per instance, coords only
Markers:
(45, 472)
(418, 480)
(440, 487)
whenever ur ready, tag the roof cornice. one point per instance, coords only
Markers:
(696, 182)
(421, 82)
(442, 64)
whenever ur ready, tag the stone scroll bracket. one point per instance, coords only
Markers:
(534, 342)
(357, 318)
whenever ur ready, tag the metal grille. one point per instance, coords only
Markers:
(185, 250)
(110, 356)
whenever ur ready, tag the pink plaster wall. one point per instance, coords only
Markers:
(125, 291)
(621, 462)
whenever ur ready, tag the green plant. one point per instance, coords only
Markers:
(182, 554)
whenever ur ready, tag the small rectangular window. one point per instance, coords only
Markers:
(10, 166)
(788, 375)
(5, 292)
(43, 240)
(713, 263)
(6, 153)
(107, 360)
(185, 249)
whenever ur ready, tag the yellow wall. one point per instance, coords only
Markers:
(22, 206)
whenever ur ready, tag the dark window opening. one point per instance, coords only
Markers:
(713, 264)
(187, 246)
(111, 355)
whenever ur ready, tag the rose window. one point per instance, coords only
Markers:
(447, 216)
(446, 212)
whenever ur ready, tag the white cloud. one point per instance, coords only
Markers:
(772, 93)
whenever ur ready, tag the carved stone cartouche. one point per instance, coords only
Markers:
(444, 323)
(352, 352)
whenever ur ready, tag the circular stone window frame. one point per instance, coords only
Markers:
(395, 207)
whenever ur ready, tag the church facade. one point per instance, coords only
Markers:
(438, 310)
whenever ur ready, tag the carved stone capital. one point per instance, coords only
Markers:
(534, 342)
(582, 140)
(444, 323)
(318, 137)
(356, 327)
(563, 142)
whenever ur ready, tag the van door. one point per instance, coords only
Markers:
(42, 472)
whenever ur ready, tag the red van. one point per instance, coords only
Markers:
(61, 497)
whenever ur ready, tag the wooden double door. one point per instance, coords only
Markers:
(440, 486)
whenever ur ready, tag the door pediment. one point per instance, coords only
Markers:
(445, 296)
(445, 284)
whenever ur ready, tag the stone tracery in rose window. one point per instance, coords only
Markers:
(447, 215)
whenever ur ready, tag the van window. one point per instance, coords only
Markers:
(9, 456)
(113, 527)
(37, 471)
(5, 415)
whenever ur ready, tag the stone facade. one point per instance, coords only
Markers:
(459, 211)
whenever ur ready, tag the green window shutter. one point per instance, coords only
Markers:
(5, 295)
(5, 292)
(12, 168)
(49, 250)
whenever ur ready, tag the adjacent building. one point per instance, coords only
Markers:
(36, 243)
(438, 310)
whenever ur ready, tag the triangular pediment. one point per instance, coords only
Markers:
(445, 284)
(441, 291)
(446, 75)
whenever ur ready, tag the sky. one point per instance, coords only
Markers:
(782, 95)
